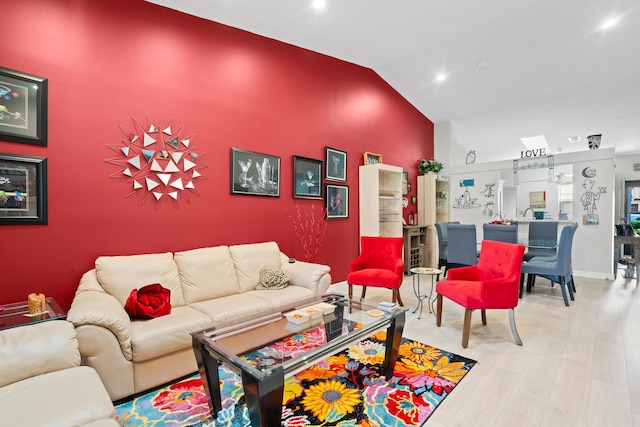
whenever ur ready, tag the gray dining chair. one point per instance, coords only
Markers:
(441, 228)
(500, 232)
(462, 245)
(543, 239)
(557, 269)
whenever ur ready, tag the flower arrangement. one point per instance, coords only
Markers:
(430, 165)
(310, 229)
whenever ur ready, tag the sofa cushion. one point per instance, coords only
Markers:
(280, 298)
(232, 309)
(36, 349)
(119, 275)
(206, 273)
(167, 334)
(250, 259)
(70, 397)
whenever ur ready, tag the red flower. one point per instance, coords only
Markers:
(149, 301)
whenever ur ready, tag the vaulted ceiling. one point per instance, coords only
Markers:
(514, 69)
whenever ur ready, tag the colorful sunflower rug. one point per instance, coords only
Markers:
(346, 389)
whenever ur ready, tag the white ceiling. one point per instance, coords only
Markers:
(549, 69)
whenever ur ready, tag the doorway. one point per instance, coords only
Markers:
(632, 204)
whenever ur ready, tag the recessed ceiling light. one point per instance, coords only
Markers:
(574, 139)
(441, 77)
(319, 4)
(611, 22)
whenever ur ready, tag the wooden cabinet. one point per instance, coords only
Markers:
(433, 206)
(415, 247)
(380, 200)
(442, 199)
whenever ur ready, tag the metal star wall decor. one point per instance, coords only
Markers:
(157, 162)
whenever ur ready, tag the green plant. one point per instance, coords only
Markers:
(430, 165)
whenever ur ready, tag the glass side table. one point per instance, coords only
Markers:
(17, 314)
(417, 272)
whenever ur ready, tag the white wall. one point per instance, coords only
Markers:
(624, 172)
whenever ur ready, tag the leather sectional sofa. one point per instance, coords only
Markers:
(42, 382)
(210, 287)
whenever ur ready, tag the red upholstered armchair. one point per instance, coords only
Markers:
(494, 283)
(379, 264)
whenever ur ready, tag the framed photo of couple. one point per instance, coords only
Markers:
(337, 202)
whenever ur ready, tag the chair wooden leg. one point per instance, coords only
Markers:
(466, 328)
(396, 296)
(364, 292)
(484, 316)
(514, 331)
(569, 288)
(438, 310)
(521, 285)
(530, 278)
(350, 291)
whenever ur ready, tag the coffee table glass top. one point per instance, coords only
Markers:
(259, 345)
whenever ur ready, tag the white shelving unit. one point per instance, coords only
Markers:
(380, 200)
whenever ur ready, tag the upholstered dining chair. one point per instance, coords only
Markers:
(543, 238)
(379, 264)
(558, 268)
(462, 248)
(441, 228)
(490, 284)
(500, 232)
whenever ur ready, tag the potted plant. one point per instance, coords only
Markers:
(430, 165)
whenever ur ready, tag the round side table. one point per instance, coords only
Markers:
(417, 272)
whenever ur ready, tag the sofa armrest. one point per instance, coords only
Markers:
(37, 349)
(101, 309)
(308, 275)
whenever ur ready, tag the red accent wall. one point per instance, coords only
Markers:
(110, 61)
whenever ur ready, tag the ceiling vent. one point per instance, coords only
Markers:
(636, 167)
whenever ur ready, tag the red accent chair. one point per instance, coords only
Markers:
(493, 283)
(379, 264)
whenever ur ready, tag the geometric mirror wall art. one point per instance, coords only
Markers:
(157, 162)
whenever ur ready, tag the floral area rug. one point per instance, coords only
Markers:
(346, 389)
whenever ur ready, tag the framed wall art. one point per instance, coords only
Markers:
(255, 173)
(307, 178)
(23, 107)
(336, 164)
(337, 202)
(372, 158)
(23, 189)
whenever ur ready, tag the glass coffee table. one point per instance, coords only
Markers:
(17, 314)
(257, 349)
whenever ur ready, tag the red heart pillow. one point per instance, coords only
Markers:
(148, 302)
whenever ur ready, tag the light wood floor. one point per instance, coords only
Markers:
(579, 365)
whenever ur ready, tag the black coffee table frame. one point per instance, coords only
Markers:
(264, 389)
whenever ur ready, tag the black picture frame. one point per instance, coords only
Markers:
(23, 111)
(307, 178)
(253, 181)
(23, 189)
(337, 201)
(336, 164)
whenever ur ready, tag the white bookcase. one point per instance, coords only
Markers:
(380, 200)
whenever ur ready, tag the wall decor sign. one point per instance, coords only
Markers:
(157, 162)
(23, 107)
(336, 164)
(337, 203)
(23, 189)
(372, 158)
(307, 178)
(254, 173)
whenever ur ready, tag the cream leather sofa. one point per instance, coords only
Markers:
(212, 286)
(42, 382)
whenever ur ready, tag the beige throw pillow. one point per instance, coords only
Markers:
(273, 279)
